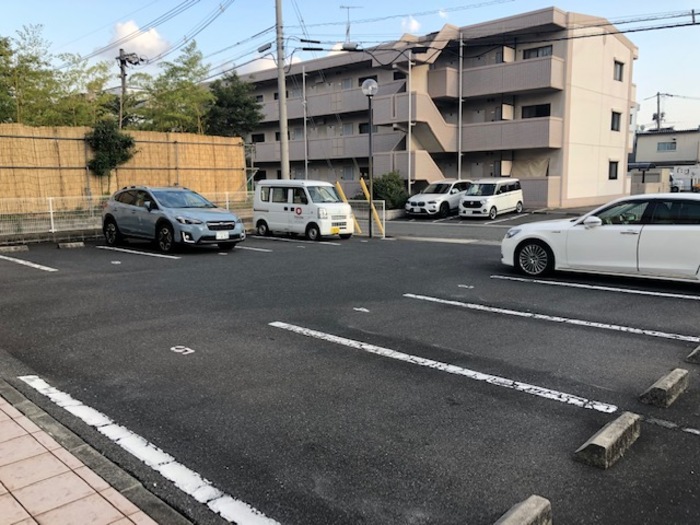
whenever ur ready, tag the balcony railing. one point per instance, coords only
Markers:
(536, 74)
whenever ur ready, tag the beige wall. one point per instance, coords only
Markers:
(40, 162)
(687, 147)
(593, 95)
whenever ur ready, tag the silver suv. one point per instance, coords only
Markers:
(169, 216)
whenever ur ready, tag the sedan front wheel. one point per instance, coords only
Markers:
(534, 258)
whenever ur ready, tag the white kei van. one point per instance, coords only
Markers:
(491, 197)
(307, 207)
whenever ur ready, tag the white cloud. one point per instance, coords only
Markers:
(336, 49)
(256, 65)
(410, 25)
(443, 14)
(148, 44)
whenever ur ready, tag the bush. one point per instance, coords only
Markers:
(390, 187)
(110, 146)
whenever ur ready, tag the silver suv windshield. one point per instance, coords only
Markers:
(481, 190)
(181, 199)
(437, 188)
(323, 194)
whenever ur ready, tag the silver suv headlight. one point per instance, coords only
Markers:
(187, 220)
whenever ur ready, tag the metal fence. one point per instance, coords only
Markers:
(80, 218)
(360, 208)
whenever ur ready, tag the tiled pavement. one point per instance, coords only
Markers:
(43, 483)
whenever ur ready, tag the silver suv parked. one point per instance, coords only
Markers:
(169, 215)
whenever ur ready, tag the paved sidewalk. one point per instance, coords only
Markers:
(64, 481)
(41, 482)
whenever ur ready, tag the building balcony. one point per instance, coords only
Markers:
(353, 146)
(324, 104)
(536, 74)
(531, 133)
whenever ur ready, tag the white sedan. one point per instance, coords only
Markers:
(656, 236)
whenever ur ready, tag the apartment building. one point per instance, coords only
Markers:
(546, 96)
(668, 147)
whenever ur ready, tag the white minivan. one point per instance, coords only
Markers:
(491, 197)
(306, 207)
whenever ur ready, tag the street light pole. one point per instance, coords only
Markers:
(282, 96)
(369, 89)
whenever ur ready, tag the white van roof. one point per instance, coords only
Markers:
(293, 182)
(495, 180)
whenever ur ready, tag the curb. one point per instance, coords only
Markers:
(120, 480)
(14, 248)
(667, 389)
(535, 510)
(64, 245)
(694, 356)
(611, 442)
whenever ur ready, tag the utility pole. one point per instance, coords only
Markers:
(282, 96)
(124, 59)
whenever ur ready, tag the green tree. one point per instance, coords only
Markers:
(175, 100)
(235, 111)
(7, 101)
(33, 79)
(390, 187)
(80, 97)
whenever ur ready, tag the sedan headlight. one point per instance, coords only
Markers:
(513, 232)
(188, 220)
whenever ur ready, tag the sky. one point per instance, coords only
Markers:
(229, 33)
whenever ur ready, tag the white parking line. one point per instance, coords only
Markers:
(506, 219)
(188, 481)
(280, 239)
(27, 263)
(557, 319)
(534, 390)
(250, 248)
(136, 252)
(596, 287)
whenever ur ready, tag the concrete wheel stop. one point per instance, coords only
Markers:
(535, 510)
(611, 442)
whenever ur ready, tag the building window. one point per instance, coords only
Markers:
(348, 173)
(257, 137)
(666, 146)
(536, 52)
(539, 110)
(294, 93)
(399, 75)
(362, 79)
(258, 98)
(346, 83)
(277, 136)
(619, 71)
(612, 169)
(364, 128)
(276, 96)
(615, 121)
(346, 130)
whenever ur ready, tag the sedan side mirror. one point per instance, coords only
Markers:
(150, 205)
(592, 222)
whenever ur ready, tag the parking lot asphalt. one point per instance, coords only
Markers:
(406, 380)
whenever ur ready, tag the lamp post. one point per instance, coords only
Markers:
(369, 89)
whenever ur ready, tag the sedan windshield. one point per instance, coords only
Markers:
(181, 199)
(323, 194)
(437, 188)
(481, 190)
